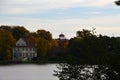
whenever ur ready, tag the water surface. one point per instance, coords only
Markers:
(28, 72)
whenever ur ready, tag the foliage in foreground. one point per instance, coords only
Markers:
(87, 72)
(117, 2)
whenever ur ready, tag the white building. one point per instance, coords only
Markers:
(25, 49)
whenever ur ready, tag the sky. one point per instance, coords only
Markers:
(62, 16)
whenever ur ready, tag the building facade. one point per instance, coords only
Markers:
(24, 50)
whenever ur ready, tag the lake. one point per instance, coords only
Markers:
(28, 72)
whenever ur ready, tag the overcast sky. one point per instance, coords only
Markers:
(62, 16)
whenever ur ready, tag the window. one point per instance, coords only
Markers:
(18, 49)
(24, 54)
(15, 55)
(18, 44)
(20, 54)
(26, 49)
(33, 49)
(31, 54)
(22, 44)
(30, 49)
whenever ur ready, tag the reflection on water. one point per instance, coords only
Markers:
(87, 72)
(28, 72)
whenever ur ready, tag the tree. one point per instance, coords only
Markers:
(19, 31)
(6, 43)
(85, 33)
(87, 72)
(92, 49)
(42, 47)
(5, 27)
(44, 34)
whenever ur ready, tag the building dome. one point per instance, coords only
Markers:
(62, 36)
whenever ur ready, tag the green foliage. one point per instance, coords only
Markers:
(85, 33)
(92, 49)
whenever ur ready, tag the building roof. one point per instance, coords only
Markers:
(29, 42)
(61, 35)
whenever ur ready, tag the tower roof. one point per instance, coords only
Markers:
(61, 35)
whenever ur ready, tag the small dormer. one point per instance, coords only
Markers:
(20, 42)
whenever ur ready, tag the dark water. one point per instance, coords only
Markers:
(28, 72)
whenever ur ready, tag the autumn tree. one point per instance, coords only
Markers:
(6, 27)
(6, 43)
(44, 34)
(45, 43)
(17, 31)
(42, 47)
